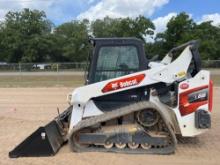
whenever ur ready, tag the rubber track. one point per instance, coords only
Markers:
(115, 114)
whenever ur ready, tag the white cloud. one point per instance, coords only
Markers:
(211, 17)
(6, 6)
(160, 25)
(2, 14)
(56, 10)
(161, 22)
(122, 8)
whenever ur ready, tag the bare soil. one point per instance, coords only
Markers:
(22, 110)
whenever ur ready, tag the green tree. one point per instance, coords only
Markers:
(139, 27)
(74, 36)
(27, 36)
(21, 36)
(177, 29)
(181, 29)
(209, 37)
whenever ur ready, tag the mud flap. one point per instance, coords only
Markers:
(45, 141)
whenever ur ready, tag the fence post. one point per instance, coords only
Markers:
(20, 72)
(19, 66)
(57, 73)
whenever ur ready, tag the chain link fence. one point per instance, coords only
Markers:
(211, 64)
(43, 67)
(42, 75)
(60, 74)
(65, 67)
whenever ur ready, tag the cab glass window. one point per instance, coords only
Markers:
(116, 61)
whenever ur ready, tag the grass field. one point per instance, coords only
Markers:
(58, 80)
(41, 81)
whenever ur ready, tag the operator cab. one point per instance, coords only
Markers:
(115, 57)
(112, 58)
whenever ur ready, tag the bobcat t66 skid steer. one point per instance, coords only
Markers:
(129, 104)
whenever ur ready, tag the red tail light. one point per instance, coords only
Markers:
(191, 100)
(210, 95)
(123, 83)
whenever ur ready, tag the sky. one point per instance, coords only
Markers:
(159, 11)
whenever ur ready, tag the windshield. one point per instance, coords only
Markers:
(115, 61)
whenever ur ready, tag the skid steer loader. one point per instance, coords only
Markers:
(130, 104)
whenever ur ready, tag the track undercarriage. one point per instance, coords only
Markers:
(125, 130)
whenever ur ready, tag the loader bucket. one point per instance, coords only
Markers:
(45, 141)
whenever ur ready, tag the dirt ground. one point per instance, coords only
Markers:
(22, 110)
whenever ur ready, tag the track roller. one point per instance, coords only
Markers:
(133, 145)
(146, 146)
(108, 145)
(120, 145)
